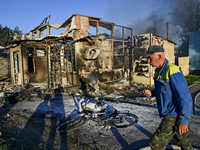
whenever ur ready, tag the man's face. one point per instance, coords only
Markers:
(153, 60)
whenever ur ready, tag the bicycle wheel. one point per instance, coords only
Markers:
(122, 120)
(197, 104)
(71, 125)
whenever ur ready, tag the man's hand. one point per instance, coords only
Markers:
(146, 93)
(182, 128)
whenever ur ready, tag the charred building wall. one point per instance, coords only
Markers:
(4, 64)
(104, 61)
(27, 64)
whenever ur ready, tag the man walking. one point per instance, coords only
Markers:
(174, 101)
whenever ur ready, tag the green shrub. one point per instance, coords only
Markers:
(192, 79)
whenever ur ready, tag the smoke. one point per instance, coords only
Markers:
(145, 16)
(155, 22)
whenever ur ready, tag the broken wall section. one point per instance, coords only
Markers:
(4, 64)
(35, 64)
(102, 60)
(28, 63)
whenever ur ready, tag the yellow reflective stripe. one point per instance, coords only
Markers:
(170, 69)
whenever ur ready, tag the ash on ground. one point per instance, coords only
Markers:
(29, 116)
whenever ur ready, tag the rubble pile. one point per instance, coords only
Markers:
(127, 94)
(13, 94)
(119, 93)
(5, 84)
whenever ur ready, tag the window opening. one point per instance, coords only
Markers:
(31, 60)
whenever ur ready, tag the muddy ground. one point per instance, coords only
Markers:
(30, 122)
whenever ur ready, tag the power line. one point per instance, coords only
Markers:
(151, 7)
(143, 10)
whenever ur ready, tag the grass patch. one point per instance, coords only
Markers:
(191, 79)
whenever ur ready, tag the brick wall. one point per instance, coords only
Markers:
(4, 65)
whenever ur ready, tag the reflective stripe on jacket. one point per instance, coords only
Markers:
(172, 93)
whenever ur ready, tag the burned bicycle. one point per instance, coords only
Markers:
(100, 112)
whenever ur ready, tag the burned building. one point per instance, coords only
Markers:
(89, 49)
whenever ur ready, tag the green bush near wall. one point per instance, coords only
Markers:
(191, 79)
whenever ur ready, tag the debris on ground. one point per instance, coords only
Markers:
(40, 112)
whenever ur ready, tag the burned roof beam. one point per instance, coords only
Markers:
(68, 21)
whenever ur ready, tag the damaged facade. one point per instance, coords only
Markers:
(89, 51)
(64, 59)
(5, 62)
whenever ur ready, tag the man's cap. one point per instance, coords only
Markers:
(152, 50)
